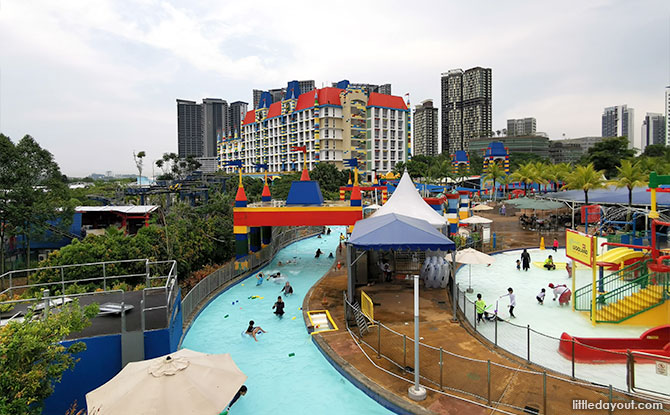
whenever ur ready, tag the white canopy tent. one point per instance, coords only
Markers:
(407, 201)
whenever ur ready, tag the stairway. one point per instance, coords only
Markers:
(631, 304)
(361, 320)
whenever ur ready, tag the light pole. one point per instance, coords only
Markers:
(416, 392)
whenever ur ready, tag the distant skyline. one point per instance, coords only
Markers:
(93, 81)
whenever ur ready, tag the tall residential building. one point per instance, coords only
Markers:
(667, 115)
(214, 124)
(332, 124)
(236, 112)
(521, 127)
(425, 129)
(279, 94)
(466, 107)
(653, 130)
(381, 89)
(189, 129)
(618, 122)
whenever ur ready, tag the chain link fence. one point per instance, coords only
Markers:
(485, 381)
(227, 273)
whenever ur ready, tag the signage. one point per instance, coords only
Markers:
(578, 246)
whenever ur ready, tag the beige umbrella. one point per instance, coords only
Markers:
(184, 382)
(479, 208)
(475, 220)
(471, 256)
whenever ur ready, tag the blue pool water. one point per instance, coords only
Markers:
(305, 383)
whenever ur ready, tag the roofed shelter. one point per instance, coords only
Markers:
(401, 235)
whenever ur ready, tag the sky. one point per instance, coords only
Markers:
(93, 81)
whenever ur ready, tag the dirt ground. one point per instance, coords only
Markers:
(393, 306)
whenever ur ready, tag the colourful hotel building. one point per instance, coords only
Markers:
(333, 124)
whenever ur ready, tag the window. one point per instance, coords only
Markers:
(325, 111)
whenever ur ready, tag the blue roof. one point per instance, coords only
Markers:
(612, 195)
(394, 232)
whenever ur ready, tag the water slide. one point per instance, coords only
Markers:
(654, 341)
(617, 258)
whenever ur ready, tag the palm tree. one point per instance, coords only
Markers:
(525, 174)
(494, 172)
(630, 175)
(505, 180)
(585, 178)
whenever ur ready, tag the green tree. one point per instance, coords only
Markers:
(525, 174)
(517, 159)
(476, 163)
(139, 162)
(585, 178)
(655, 150)
(330, 179)
(32, 358)
(39, 193)
(8, 159)
(630, 175)
(494, 173)
(607, 154)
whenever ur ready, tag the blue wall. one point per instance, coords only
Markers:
(99, 363)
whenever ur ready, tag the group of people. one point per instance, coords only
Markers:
(481, 307)
(561, 292)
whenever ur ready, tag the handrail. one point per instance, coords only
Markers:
(609, 283)
(629, 289)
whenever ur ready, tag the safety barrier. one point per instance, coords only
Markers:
(534, 347)
(227, 273)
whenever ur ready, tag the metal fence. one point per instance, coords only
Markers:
(538, 348)
(227, 273)
(65, 282)
(482, 381)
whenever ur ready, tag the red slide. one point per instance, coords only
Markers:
(654, 341)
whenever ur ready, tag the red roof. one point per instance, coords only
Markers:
(386, 101)
(250, 118)
(275, 110)
(327, 96)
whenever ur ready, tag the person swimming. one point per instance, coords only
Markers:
(253, 330)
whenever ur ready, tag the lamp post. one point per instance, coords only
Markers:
(416, 392)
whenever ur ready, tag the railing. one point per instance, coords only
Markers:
(227, 273)
(609, 283)
(483, 381)
(618, 305)
(160, 278)
(534, 346)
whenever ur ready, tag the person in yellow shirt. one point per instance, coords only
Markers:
(549, 264)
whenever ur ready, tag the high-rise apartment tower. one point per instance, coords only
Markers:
(466, 107)
(425, 129)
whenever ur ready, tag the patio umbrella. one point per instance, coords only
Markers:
(471, 256)
(480, 208)
(476, 220)
(184, 382)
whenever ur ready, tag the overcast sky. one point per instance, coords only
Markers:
(94, 80)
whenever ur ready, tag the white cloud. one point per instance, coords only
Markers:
(106, 74)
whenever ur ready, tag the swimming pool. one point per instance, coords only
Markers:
(304, 383)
